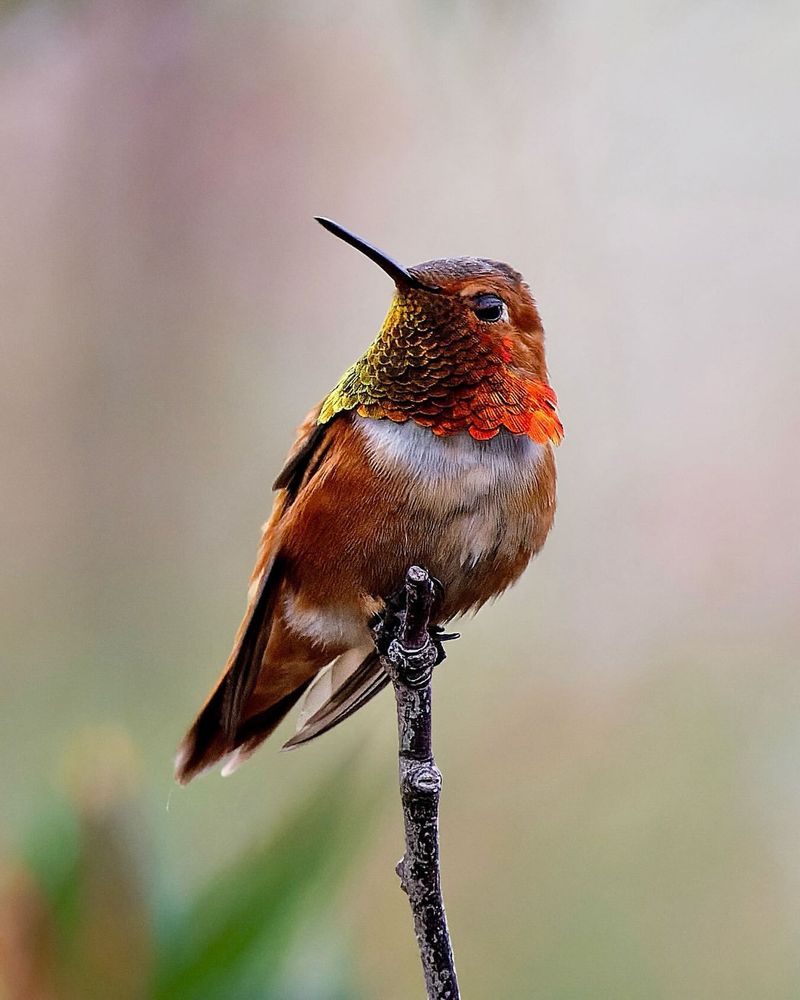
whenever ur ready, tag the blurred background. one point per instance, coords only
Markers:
(619, 734)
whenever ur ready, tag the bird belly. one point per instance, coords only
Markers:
(472, 507)
(332, 626)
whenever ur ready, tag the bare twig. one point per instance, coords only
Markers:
(409, 656)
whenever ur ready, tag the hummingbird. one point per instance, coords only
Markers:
(435, 449)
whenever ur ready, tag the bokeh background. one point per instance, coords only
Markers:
(620, 734)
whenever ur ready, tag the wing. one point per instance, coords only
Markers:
(248, 654)
(304, 457)
(215, 731)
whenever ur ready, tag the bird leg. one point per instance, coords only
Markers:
(386, 624)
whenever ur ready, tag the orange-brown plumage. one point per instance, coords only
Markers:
(435, 448)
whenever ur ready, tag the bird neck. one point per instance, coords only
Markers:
(446, 377)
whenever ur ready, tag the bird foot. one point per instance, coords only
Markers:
(387, 624)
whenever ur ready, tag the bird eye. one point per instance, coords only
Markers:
(489, 308)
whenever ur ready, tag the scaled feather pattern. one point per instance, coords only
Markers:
(451, 377)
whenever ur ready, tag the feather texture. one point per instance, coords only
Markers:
(435, 448)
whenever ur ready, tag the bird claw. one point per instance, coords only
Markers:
(443, 636)
(438, 637)
(386, 623)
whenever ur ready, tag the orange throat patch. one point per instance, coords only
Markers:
(447, 378)
(514, 403)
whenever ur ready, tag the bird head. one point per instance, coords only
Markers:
(461, 349)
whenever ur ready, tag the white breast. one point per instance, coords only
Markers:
(469, 484)
(476, 466)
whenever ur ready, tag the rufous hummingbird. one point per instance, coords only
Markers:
(435, 449)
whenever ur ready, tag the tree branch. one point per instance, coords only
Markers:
(409, 655)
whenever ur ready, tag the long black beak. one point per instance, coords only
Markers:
(399, 274)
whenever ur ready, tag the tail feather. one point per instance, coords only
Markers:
(355, 690)
(215, 731)
(207, 742)
(250, 649)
